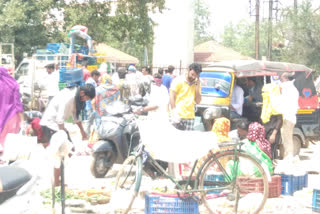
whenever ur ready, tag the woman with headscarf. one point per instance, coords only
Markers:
(106, 93)
(11, 108)
(256, 133)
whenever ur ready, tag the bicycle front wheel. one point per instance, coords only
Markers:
(233, 182)
(128, 181)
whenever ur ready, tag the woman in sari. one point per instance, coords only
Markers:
(11, 108)
(106, 93)
(256, 133)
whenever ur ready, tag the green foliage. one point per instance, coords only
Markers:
(129, 29)
(201, 22)
(22, 24)
(33, 23)
(296, 38)
(300, 31)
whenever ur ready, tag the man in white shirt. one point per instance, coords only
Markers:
(158, 100)
(51, 82)
(68, 102)
(237, 100)
(288, 106)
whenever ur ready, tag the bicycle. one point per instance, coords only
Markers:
(222, 181)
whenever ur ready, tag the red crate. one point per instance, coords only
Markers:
(251, 185)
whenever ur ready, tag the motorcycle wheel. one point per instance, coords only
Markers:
(98, 165)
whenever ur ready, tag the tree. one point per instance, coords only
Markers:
(296, 37)
(300, 31)
(31, 24)
(129, 29)
(201, 22)
(22, 24)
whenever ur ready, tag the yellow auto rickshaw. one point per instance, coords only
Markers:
(217, 82)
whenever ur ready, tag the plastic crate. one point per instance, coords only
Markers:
(303, 181)
(83, 50)
(92, 67)
(275, 186)
(215, 177)
(63, 85)
(71, 75)
(169, 204)
(254, 185)
(54, 47)
(291, 183)
(316, 201)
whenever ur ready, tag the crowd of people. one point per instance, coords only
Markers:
(169, 97)
(273, 106)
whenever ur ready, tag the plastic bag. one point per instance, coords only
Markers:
(18, 146)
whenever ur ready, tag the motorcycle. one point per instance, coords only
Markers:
(119, 135)
(21, 184)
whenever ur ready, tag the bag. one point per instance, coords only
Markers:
(18, 146)
(246, 168)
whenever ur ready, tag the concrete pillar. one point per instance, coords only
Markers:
(173, 35)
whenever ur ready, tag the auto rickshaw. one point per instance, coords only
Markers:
(217, 82)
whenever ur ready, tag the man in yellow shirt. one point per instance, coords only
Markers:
(185, 92)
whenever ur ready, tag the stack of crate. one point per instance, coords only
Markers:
(293, 183)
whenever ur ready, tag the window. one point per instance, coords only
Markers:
(216, 84)
(22, 71)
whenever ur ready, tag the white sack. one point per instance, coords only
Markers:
(167, 143)
(18, 146)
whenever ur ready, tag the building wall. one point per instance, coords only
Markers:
(173, 43)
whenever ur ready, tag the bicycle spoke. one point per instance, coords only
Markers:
(231, 181)
(128, 182)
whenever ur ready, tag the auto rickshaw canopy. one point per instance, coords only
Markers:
(247, 68)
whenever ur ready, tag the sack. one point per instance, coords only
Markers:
(18, 146)
(246, 168)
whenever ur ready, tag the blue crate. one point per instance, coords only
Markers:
(300, 181)
(291, 183)
(63, 85)
(215, 177)
(306, 180)
(316, 200)
(84, 50)
(287, 184)
(54, 47)
(72, 75)
(160, 204)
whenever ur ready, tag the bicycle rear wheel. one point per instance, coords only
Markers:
(233, 182)
(128, 181)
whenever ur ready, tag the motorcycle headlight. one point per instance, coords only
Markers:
(211, 113)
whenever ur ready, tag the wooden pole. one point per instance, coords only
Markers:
(269, 55)
(257, 47)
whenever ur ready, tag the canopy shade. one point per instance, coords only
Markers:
(246, 68)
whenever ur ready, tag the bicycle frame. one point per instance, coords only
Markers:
(146, 157)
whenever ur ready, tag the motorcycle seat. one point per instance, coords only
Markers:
(12, 178)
